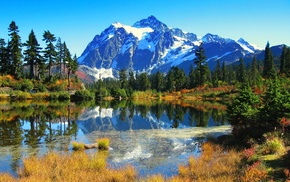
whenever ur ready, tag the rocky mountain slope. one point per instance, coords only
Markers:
(150, 45)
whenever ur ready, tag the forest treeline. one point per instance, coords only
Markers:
(253, 74)
(29, 60)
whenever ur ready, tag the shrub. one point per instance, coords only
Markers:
(39, 86)
(251, 155)
(19, 95)
(27, 85)
(59, 95)
(255, 172)
(78, 146)
(273, 146)
(103, 143)
(40, 95)
(83, 95)
(63, 95)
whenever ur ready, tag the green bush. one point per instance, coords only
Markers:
(63, 95)
(83, 95)
(103, 143)
(19, 95)
(273, 146)
(27, 85)
(102, 92)
(78, 146)
(59, 95)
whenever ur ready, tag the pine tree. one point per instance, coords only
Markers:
(72, 67)
(242, 77)
(224, 72)
(14, 51)
(269, 69)
(218, 70)
(71, 64)
(4, 63)
(59, 55)
(200, 65)
(191, 77)
(32, 53)
(49, 52)
(232, 77)
(287, 62)
(283, 61)
(256, 78)
(158, 81)
(170, 86)
(207, 74)
(123, 79)
(132, 80)
(143, 82)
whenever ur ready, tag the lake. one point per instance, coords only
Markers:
(154, 137)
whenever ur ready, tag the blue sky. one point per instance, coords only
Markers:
(78, 21)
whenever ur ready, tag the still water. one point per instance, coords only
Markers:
(154, 137)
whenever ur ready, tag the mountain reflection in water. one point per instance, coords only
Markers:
(154, 138)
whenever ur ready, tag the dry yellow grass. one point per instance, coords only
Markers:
(214, 164)
(77, 166)
(103, 143)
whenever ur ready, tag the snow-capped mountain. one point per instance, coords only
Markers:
(150, 45)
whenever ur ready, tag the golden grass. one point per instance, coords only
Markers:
(214, 164)
(77, 166)
(103, 143)
(78, 146)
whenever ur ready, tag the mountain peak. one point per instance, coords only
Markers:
(214, 38)
(151, 22)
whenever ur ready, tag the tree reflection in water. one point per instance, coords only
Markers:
(34, 125)
(35, 128)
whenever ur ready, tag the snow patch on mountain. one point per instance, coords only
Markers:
(97, 73)
(140, 33)
(248, 47)
(150, 45)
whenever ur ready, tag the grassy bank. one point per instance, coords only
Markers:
(216, 163)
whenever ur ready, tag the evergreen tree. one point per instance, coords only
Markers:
(207, 74)
(224, 72)
(243, 110)
(231, 75)
(269, 69)
(123, 79)
(32, 53)
(170, 86)
(276, 104)
(4, 63)
(14, 51)
(143, 82)
(179, 78)
(218, 70)
(287, 62)
(256, 78)
(191, 77)
(242, 77)
(72, 66)
(49, 52)
(200, 65)
(283, 60)
(132, 80)
(158, 81)
(59, 55)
